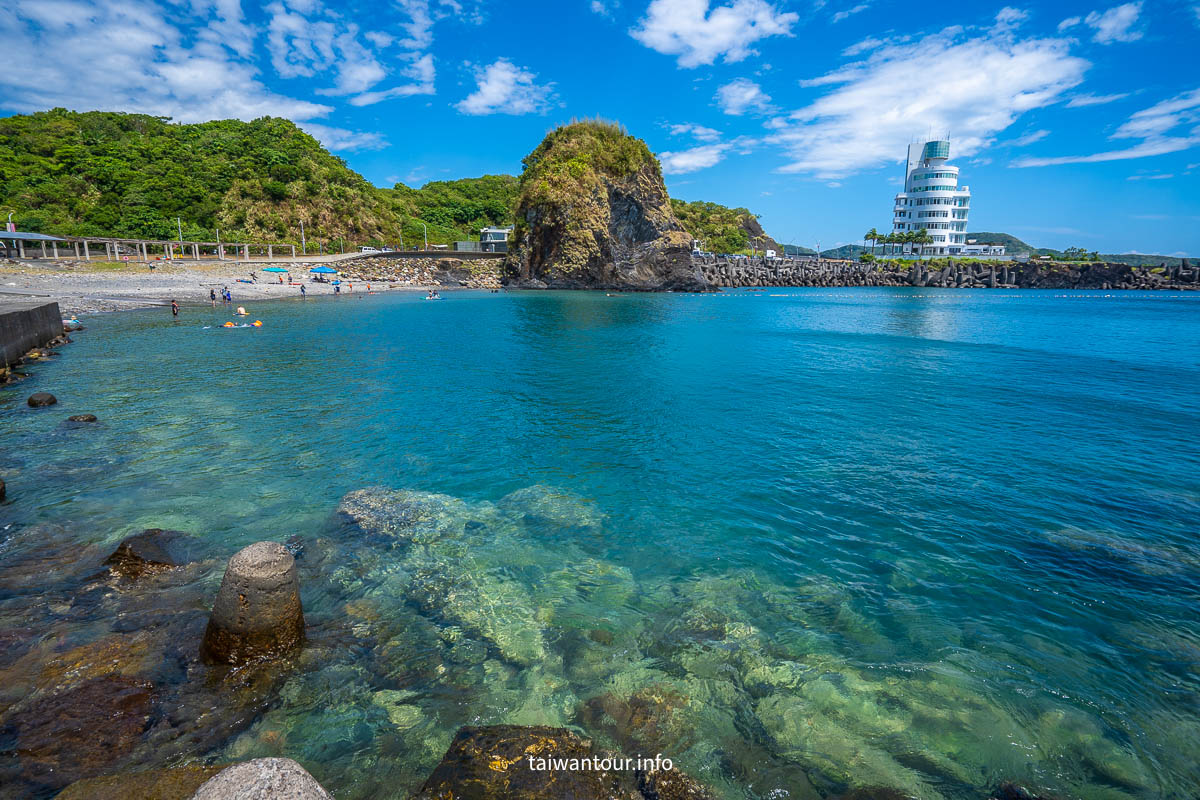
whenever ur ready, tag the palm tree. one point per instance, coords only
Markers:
(910, 239)
(871, 236)
(923, 238)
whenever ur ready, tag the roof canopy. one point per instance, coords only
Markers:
(29, 237)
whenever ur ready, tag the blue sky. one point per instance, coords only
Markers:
(1074, 123)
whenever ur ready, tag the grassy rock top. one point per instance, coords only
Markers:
(577, 154)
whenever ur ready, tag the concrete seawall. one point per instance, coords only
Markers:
(24, 326)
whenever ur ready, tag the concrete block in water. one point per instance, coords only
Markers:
(257, 612)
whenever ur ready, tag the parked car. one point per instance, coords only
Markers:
(369, 250)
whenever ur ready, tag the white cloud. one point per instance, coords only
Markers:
(342, 139)
(1095, 100)
(605, 8)
(867, 44)
(692, 159)
(503, 88)
(841, 15)
(1010, 18)
(742, 95)
(1030, 138)
(986, 81)
(1114, 25)
(1149, 177)
(697, 35)
(698, 132)
(420, 71)
(134, 56)
(1196, 11)
(1156, 126)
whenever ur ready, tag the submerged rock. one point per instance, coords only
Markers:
(80, 732)
(175, 783)
(497, 762)
(262, 779)
(41, 400)
(3, 490)
(593, 213)
(511, 762)
(145, 553)
(257, 613)
(83, 418)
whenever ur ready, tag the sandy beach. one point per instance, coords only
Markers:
(90, 287)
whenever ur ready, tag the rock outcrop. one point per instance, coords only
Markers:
(593, 213)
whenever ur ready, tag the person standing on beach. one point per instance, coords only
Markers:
(212, 297)
(174, 309)
(302, 292)
(337, 289)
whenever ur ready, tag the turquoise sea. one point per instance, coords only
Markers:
(797, 541)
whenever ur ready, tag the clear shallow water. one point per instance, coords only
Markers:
(794, 540)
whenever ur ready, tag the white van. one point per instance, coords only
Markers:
(369, 250)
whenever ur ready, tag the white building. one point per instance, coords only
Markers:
(933, 200)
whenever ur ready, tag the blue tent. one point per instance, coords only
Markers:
(324, 270)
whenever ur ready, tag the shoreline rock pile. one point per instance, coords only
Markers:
(480, 273)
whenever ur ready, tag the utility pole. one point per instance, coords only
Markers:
(426, 235)
(179, 222)
(303, 246)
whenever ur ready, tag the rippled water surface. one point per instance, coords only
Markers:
(797, 541)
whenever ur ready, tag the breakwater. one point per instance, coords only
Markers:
(749, 272)
(24, 326)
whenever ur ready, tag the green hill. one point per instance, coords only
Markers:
(722, 229)
(1013, 245)
(131, 175)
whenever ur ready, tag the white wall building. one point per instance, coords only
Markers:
(933, 200)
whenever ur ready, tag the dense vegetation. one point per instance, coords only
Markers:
(721, 229)
(575, 154)
(132, 175)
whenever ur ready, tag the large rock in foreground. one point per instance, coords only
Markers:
(263, 779)
(257, 613)
(593, 213)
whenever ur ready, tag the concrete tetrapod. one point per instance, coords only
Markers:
(257, 612)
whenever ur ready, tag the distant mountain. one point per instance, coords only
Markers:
(1016, 247)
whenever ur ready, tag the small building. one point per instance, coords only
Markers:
(974, 248)
(494, 240)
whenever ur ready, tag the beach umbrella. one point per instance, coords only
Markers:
(324, 270)
(275, 269)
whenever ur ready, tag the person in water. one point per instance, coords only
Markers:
(212, 297)
(337, 289)
(174, 309)
(302, 292)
